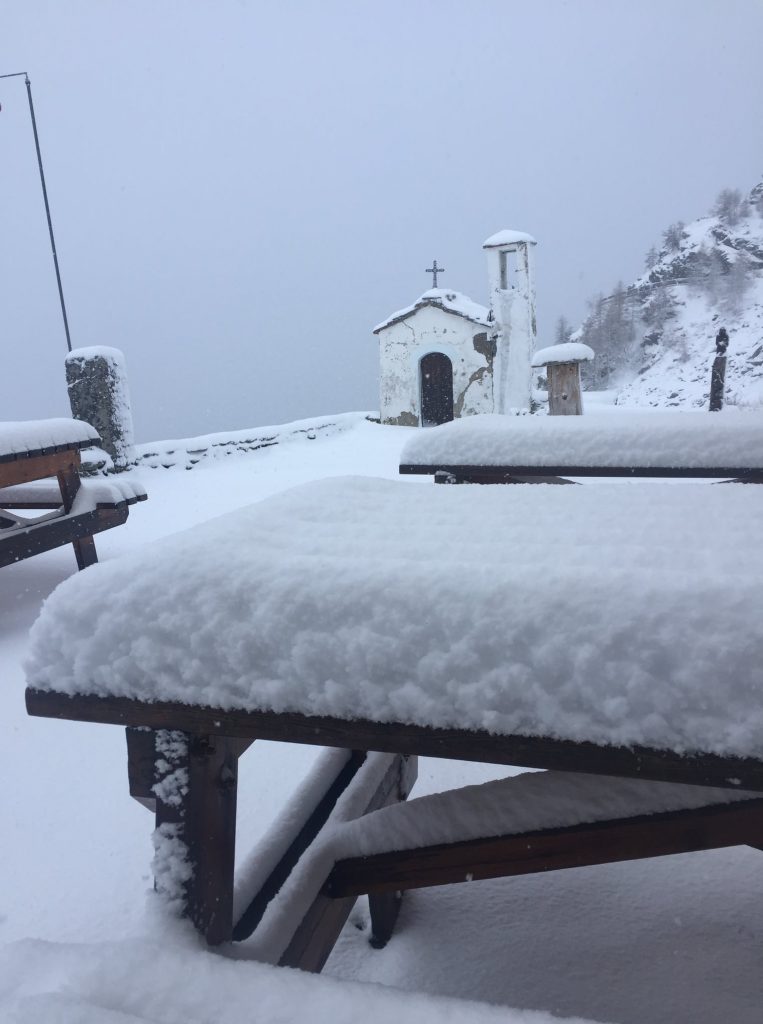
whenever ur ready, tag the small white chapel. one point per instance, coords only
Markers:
(446, 356)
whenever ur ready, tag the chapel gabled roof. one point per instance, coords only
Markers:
(445, 299)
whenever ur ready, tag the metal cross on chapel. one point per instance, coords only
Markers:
(434, 270)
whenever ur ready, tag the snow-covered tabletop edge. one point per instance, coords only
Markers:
(25, 438)
(664, 440)
(311, 602)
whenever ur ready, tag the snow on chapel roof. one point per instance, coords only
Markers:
(445, 299)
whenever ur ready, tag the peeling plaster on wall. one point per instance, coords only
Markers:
(405, 419)
(477, 377)
(485, 346)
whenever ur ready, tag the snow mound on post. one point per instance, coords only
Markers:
(567, 352)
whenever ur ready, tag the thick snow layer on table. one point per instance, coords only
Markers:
(19, 437)
(526, 803)
(88, 983)
(445, 298)
(567, 352)
(626, 614)
(692, 440)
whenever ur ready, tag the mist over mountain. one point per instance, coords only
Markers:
(654, 339)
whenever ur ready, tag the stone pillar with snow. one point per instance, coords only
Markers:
(96, 379)
(511, 271)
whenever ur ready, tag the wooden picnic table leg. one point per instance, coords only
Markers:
(69, 482)
(384, 908)
(84, 552)
(196, 827)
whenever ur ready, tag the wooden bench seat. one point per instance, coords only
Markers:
(535, 822)
(40, 469)
(22, 537)
(39, 494)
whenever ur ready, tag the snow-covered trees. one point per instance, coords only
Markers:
(563, 331)
(660, 308)
(707, 269)
(652, 255)
(610, 330)
(730, 206)
(672, 236)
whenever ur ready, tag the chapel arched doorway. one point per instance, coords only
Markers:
(436, 388)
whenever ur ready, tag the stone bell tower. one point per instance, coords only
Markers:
(511, 272)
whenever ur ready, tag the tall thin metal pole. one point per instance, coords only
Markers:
(20, 74)
(47, 212)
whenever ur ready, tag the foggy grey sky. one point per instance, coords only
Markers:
(241, 190)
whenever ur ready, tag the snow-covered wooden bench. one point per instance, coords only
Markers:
(608, 635)
(39, 469)
(632, 443)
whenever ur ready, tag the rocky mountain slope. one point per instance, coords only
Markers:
(654, 339)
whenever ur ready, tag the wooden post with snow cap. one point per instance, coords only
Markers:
(562, 362)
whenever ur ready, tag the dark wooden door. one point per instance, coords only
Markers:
(436, 377)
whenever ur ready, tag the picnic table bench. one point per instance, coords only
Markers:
(633, 444)
(371, 616)
(40, 469)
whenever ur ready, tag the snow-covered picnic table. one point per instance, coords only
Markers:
(559, 616)
(636, 443)
(611, 630)
(40, 469)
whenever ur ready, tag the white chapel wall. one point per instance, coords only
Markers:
(430, 329)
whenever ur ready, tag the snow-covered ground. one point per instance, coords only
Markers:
(81, 938)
